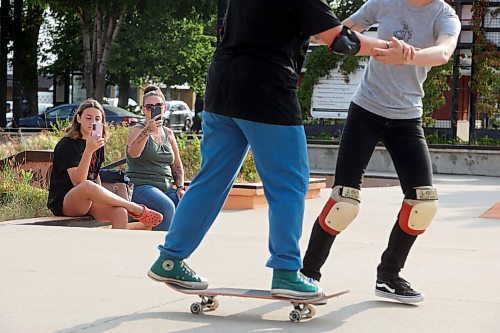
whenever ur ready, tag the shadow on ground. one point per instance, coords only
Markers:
(252, 320)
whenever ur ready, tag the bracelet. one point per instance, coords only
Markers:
(180, 188)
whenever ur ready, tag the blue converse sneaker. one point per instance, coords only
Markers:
(398, 289)
(176, 272)
(292, 284)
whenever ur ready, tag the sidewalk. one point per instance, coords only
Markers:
(56, 279)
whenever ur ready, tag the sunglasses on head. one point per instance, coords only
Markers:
(149, 106)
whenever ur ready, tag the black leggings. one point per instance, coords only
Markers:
(405, 141)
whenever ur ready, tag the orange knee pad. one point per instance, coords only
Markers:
(340, 210)
(417, 214)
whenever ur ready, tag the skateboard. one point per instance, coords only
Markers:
(302, 308)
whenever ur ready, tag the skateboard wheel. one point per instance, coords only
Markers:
(295, 316)
(311, 310)
(196, 308)
(213, 305)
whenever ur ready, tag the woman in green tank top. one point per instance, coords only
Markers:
(154, 163)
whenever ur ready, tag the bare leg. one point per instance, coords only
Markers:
(116, 215)
(78, 200)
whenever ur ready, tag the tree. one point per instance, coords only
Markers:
(25, 61)
(176, 51)
(101, 22)
(64, 44)
(344, 9)
(5, 26)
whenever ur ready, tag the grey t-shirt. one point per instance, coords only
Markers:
(391, 91)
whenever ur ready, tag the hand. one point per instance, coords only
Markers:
(154, 123)
(180, 192)
(94, 143)
(398, 53)
(408, 50)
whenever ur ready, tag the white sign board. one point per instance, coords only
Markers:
(78, 91)
(332, 94)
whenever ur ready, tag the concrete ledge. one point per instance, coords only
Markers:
(455, 161)
(69, 221)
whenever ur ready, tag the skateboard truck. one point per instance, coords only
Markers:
(301, 311)
(208, 303)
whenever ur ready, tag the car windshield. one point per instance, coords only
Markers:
(60, 112)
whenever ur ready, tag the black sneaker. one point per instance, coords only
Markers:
(398, 289)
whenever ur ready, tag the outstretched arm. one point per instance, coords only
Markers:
(366, 44)
(436, 55)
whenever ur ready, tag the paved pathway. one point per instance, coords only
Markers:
(56, 279)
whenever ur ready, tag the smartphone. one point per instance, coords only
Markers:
(155, 110)
(96, 130)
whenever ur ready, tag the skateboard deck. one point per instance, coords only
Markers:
(303, 308)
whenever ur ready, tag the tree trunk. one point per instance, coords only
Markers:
(17, 89)
(5, 25)
(124, 87)
(106, 25)
(29, 62)
(87, 53)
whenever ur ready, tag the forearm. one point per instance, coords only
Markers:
(137, 145)
(369, 43)
(431, 56)
(366, 43)
(82, 171)
(178, 173)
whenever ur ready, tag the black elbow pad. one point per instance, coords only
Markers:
(346, 42)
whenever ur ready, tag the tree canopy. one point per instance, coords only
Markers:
(156, 41)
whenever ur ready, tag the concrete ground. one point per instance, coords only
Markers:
(61, 279)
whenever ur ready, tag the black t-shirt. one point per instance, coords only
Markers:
(67, 154)
(254, 71)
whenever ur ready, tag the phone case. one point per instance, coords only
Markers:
(96, 130)
(155, 110)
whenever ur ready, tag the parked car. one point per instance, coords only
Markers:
(178, 115)
(42, 107)
(131, 104)
(66, 111)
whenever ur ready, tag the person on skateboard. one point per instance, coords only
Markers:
(250, 101)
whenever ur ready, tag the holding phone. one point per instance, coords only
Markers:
(96, 130)
(155, 110)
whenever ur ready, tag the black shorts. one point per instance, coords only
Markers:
(56, 206)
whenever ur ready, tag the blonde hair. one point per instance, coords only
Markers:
(152, 90)
(74, 130)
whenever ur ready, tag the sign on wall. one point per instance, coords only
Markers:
(333, 93)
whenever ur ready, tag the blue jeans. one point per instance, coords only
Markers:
(154, 198)
(280, 155)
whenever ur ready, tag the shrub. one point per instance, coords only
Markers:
(190, 155)
(191, 160)
(116, 143)
(20, 195)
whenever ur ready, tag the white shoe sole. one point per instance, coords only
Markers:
(286, 293)
(402, 299)
(180, 283)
